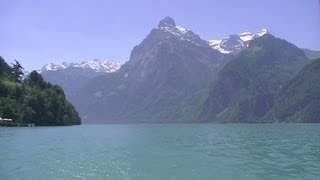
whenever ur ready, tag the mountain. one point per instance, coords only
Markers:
(311, 54)
(73, 76)
(169, 65)
(4, 68)
(93, 65)
(236, 43)
(33, 100)
(175, 76)
(299, 99)
(246, 87)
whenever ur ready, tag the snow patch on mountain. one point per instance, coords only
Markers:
(262, 32)
(216, 44)
(235, 43)
(232, 44)
(95, 65)
(246, 36)
(168, 26)
(182, 30)
(177, 31)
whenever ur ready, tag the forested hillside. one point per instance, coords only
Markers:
(247, 86)
(299, 100)
(32, 100)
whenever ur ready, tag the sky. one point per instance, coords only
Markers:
(37, 32)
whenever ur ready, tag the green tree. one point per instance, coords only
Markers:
(34, 100)
(17, 71)
(35, 80)
(28, 114)
(10, 111)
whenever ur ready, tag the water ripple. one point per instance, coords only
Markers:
(182, 151)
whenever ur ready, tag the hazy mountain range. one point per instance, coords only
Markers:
(73, 76)
(175, 76)
(93, 65)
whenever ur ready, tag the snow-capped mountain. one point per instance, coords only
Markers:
(233, 44)
(95, 65)
(72, 76)
(169, 27)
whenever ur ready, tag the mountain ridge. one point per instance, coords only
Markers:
(247, 86)
(170, 75)
(236, 43)
(170, 62)
(95, 65)
(299, 99)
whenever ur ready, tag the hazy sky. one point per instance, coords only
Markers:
(37, 32)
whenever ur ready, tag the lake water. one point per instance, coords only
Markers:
(173, 151)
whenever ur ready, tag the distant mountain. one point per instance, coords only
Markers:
(246, 87)
(73, 76)
(175, 76)
(93, 65)
(236, 43)
(311, 54)
(171, 64)
(299, 99)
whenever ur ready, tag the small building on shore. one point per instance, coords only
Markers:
(6, 121)
(11, 123)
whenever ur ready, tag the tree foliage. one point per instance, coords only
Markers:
(299, 99)
(247, 86)
(33, 100)
(17, 71)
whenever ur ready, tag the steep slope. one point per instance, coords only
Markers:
(4, 68)
(311, 54)
(73, 76)
(246, 87)
(299, 100)
(170, 64)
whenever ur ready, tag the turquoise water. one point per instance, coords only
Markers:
(181, 151)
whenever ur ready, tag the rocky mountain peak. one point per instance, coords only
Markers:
(167, 22)
(170, 30)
